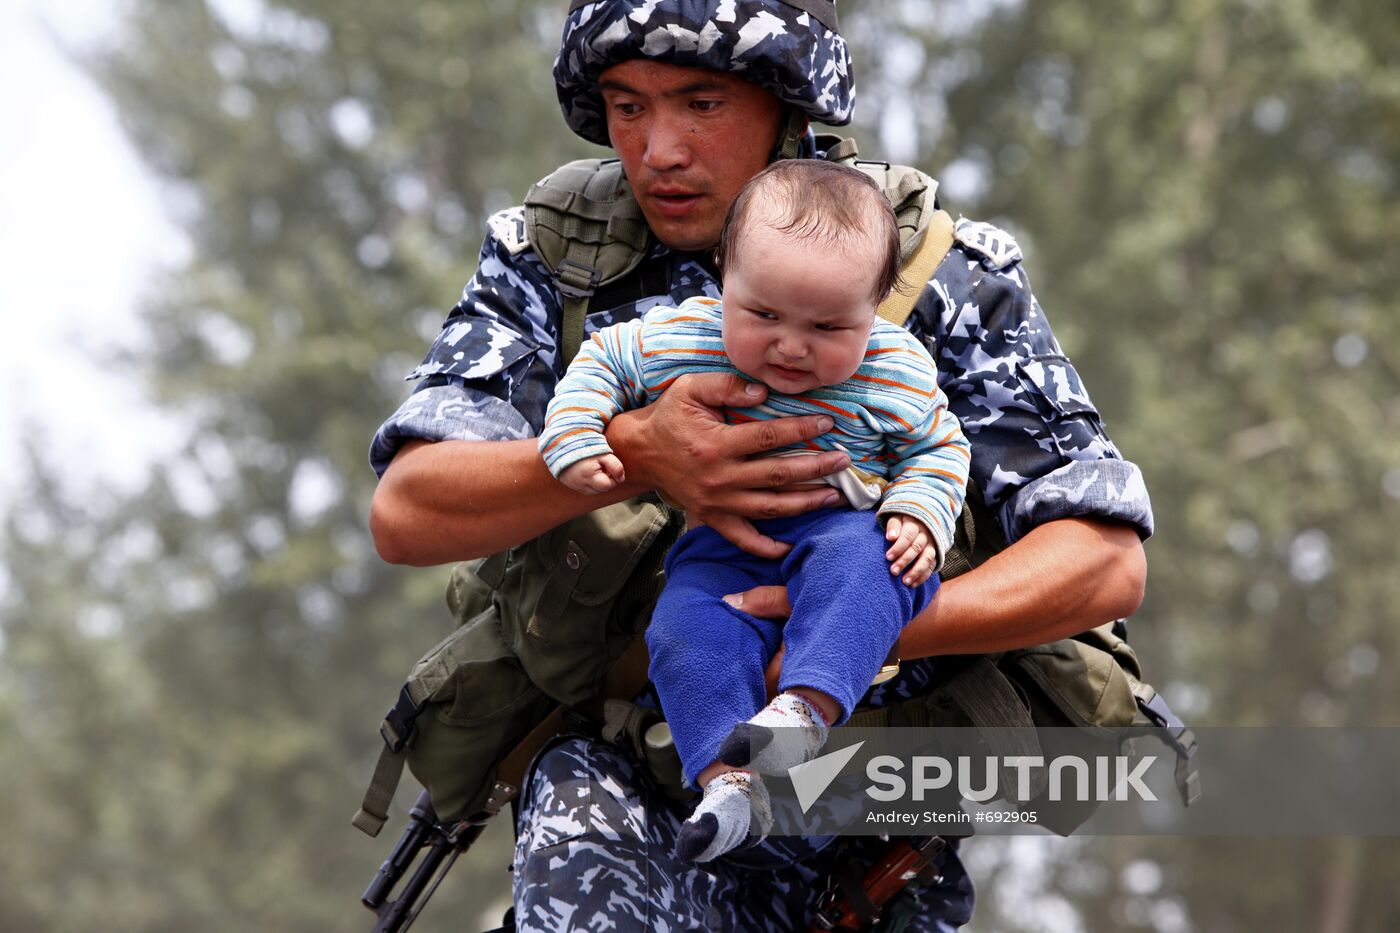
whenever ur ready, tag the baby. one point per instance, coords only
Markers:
(809, 250)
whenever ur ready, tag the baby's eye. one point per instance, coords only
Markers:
(765, 315)
(827, 327)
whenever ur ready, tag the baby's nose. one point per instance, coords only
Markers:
(791, 347)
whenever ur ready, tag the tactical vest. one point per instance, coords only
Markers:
(547, 633)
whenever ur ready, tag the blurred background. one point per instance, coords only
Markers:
(228, 228)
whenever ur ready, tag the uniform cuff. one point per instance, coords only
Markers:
(450, 412)
(1110, 489)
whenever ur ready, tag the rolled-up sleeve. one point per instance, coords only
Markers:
(490, 372)
(1039, 449)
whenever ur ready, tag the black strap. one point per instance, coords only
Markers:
(1178, 737)
(852, 885)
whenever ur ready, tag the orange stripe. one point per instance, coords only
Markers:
(840, 411)
(703, 351)
(554, 443)
(892, 382)
(892, 416)
(702, 320)
(955, 477)
(596, 411)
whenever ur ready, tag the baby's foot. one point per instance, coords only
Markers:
(735, 803)
(784, 734)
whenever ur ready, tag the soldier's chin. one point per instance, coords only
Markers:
(688, 235)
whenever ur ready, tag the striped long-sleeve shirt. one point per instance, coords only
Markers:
(890, 416)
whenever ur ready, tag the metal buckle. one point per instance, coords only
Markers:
(398, 726)
(574, 291)
(824, 919)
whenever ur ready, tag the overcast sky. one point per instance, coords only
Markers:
(81, 229)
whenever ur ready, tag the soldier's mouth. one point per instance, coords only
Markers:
(675, 205)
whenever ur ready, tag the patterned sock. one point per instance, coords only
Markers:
(785, 733)
(735, 803)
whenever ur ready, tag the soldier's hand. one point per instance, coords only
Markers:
(681, 446)
(766, 602)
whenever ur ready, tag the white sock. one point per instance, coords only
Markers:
(784, 734)
(735, 804)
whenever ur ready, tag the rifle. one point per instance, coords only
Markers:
(850, 905)
(440, 844)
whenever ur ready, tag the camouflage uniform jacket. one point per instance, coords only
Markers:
(1039, 451)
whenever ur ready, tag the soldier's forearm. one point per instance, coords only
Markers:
(456, 500)
(1063, 577)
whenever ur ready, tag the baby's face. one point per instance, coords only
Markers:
(798, 313)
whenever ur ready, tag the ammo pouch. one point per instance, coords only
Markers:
(538, 626)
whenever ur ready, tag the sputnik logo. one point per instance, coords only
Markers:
(811, 778)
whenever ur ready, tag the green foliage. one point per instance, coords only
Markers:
(1207, 195)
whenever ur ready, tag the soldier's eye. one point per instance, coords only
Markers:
(705, 106)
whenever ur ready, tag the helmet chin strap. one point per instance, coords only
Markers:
(792, 126)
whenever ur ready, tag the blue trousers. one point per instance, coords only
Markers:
(708, 658)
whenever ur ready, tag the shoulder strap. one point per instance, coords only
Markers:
(918, 269)
(925, 231)
(587, 227)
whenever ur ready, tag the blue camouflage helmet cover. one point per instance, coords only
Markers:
(778, 46)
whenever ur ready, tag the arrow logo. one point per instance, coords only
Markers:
(811, 778)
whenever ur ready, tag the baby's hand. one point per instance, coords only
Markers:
(913, 547)
(594, 475)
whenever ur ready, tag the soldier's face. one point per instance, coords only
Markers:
(688, 139)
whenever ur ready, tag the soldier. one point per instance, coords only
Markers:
(695, 98)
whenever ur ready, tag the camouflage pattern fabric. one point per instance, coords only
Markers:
(775, 46)
(593, 824)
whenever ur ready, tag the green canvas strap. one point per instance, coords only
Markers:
(918, 269)
(374, 809)
(587, 227)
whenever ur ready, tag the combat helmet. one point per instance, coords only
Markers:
(791, 48)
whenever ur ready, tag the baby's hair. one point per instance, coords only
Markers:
(813, 199)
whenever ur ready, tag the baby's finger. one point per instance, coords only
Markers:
(908, 531)
(892, 528)
(908, 553)
(612, 466)
(922, 568)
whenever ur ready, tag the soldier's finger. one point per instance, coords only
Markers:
(763, 602)
(776, 472)
(758, 436)
(720, 390)
(742, 534)
(761, 504)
